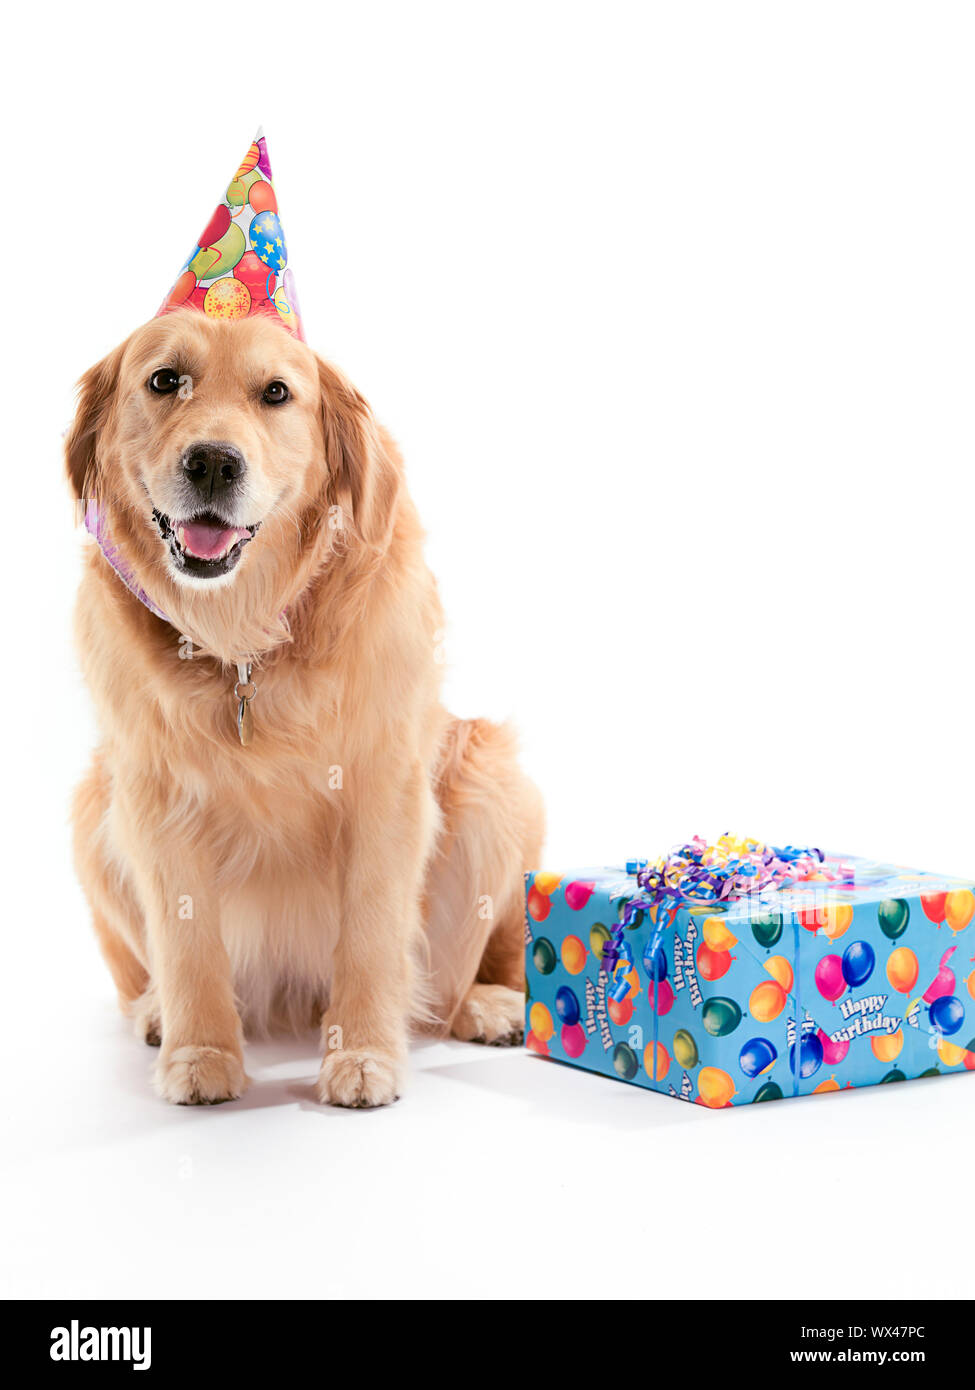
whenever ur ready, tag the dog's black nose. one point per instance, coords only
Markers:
(213, 468)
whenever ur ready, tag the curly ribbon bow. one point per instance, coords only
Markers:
(698, 874)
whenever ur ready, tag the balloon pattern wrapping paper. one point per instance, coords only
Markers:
(862, 978)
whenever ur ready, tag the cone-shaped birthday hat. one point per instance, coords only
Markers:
(239, 265)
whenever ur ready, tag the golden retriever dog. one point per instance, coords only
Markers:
(358, 863)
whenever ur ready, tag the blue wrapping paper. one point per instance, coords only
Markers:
(806, 989)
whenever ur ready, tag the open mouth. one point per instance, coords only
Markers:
(204, 546)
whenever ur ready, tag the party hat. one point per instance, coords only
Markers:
(239, 265)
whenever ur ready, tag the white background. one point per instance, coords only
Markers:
(672, 309)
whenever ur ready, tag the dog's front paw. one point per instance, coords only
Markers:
(200, 1076)
(491, 1014)
(355, 1077)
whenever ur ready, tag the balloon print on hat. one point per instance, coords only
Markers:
(251, 158)
(267, 239)
(253, 273)
(217, 227)
(263, 163)
(181, 291)
(261, 197)
(238, 191)
(227, 299)
(290, 290)
(218, 257)
(284, 306)
(244, 230)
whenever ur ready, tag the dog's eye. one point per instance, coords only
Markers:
(275, 393)
(164, 381)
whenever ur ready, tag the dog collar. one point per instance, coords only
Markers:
(245, 689)
(97, 526)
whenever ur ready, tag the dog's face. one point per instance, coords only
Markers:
(211, 432)
(217, 429)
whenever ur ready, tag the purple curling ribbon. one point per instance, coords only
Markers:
(698, 874)
(617, 961)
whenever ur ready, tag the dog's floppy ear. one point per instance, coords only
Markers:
(364, 476)
(96, 391)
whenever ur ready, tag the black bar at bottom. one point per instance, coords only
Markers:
(167, 1339)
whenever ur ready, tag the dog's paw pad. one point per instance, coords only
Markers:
(491, 1014)
(358, 1079)
(200, 1076)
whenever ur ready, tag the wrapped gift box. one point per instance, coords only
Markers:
(870, 967)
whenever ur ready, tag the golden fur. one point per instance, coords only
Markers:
(360, 864)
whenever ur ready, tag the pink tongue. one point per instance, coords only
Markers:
(206, 542)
